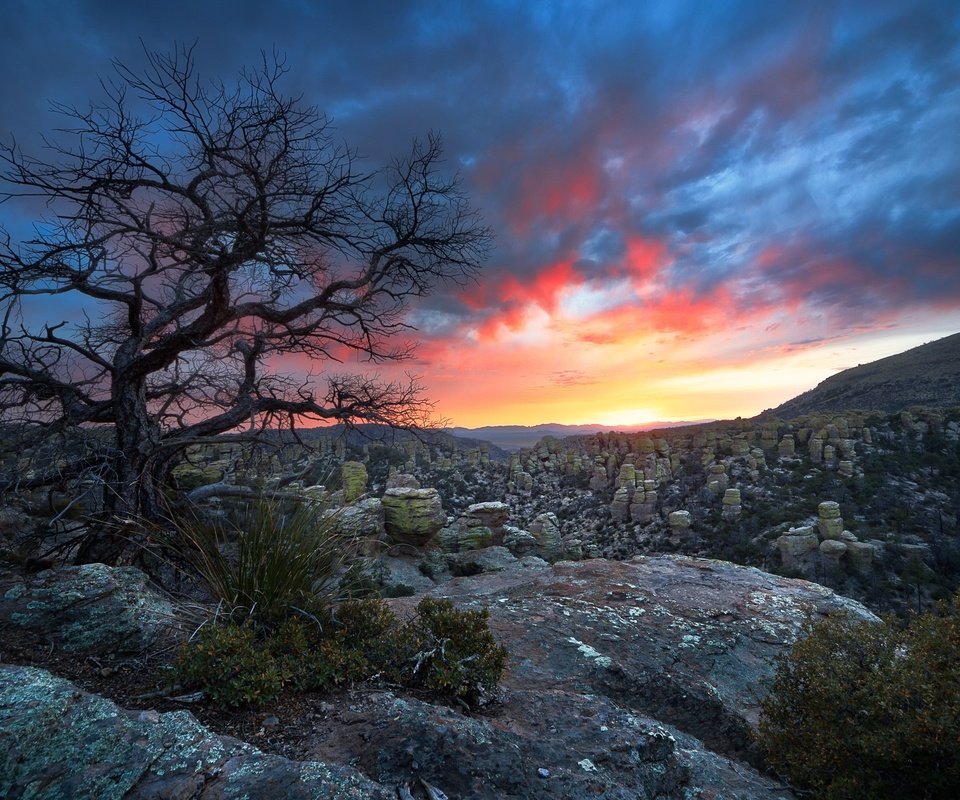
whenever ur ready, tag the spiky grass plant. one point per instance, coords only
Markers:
(267, 562)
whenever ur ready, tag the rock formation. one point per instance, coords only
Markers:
(620, 506)
(89, 609)
(402, 480)
(731, 504)
(643, 507)
(797, 549)
(363, 520)
(354, 477)
(787, 447)
(679, 520)
(546, 530)
(58, 742)
(830, 522)
(412, 516)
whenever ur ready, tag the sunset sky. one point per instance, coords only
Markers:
(701, 208)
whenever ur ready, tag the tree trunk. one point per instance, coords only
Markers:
(132, 490)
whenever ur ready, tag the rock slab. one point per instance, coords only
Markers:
(59, 742)
(89, 609)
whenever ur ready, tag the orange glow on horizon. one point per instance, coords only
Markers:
(644, 380)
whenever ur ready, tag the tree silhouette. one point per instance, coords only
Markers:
(195, 233)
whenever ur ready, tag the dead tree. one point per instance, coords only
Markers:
(196, 234)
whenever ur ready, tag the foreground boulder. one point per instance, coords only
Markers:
(89, 609)
(686, 641)
(634, 679)
(562, 745)
(360, 521)
(57, 741)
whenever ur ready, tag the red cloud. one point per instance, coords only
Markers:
(645, 257)
(511, 317)
(543, 288)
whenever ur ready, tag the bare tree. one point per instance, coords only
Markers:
(196, 233)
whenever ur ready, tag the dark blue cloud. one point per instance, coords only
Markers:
(721, 130)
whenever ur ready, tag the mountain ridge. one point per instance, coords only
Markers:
(928, 375)
(514, 437)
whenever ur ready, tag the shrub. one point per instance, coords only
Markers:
(266, 563)
(230, 664)
(869, 711)
(455, 653)
(442, 652)
(312, 663)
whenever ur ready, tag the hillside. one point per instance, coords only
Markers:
(928, 375)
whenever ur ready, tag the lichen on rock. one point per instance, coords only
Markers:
(91, 608)
(58, 742)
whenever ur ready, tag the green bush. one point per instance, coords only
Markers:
(266, 563)
(869, 711)
(455, 654)
(442, 652)
(230, 664)
(310, 662)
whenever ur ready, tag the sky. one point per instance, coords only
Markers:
(701, 208)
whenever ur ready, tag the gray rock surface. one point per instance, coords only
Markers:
(89, 609)
(363, 520)
(634, 679)
(687, 641)
(402, 576)
(59, 742)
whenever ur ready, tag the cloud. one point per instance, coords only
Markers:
(734, 178)
(571, 377)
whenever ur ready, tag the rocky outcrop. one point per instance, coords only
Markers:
(412, 516)
(787, 447)
(644, 505)
(679, 520)
(89, 609)
(596, 750)
(57, 742)
(620, 505)
(402, 480)
(861, 556)
(830, 522)
(798, 547)
(518, 541)
(625, 679)
(492, 515)
(354, 477)
(685, 640)
(832, 551)
(546, 530)
(717, 479)
(731, 504)
(481, 525)
(363, 520)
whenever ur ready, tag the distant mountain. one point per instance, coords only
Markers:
(928, 375)
(365, 434)
(513, 437)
